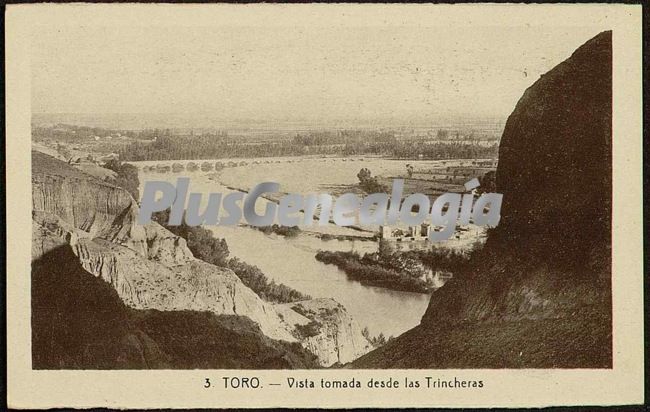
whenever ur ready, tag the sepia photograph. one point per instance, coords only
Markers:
(321, 111)
(343, 196)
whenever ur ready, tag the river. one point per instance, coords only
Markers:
(292, 261)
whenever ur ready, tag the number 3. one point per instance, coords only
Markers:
(207, 383)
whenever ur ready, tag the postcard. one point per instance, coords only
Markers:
(324, 205)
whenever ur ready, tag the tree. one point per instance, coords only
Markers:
(369, 183)
(409, 169)
(376, 341)
(364, 175)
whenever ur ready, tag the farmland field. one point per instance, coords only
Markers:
(337, 175)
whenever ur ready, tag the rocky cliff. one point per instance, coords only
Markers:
(539, 293)
(99, 210)
(167, 278)
(555, 163)
(80, 322)
(149, 267)
(327, 330)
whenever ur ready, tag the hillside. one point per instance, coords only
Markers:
(79, 322)
(539, 294)
(152, 270)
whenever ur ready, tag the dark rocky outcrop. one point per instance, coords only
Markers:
(539, 293)
(555, 163)
(79, 321)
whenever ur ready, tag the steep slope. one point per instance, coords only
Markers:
(539, 293)
(148, 266)
(99, 209)
(155, 272)
(555, 162)
(79, 322)
(326, 329)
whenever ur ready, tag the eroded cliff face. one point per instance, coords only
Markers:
(80, 322)
(151, 268)
(327, 330)
(100, 210)
(149, 284)
(539, 293)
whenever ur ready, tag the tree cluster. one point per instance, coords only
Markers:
(126, 176)
(369, 183)
(208, 248)
(369, 271)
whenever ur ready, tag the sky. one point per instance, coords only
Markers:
(322, 74)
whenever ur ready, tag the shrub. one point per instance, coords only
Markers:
(308, 330)
(287, 231)
(127, 176)
(368, 270)
(206, 247)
